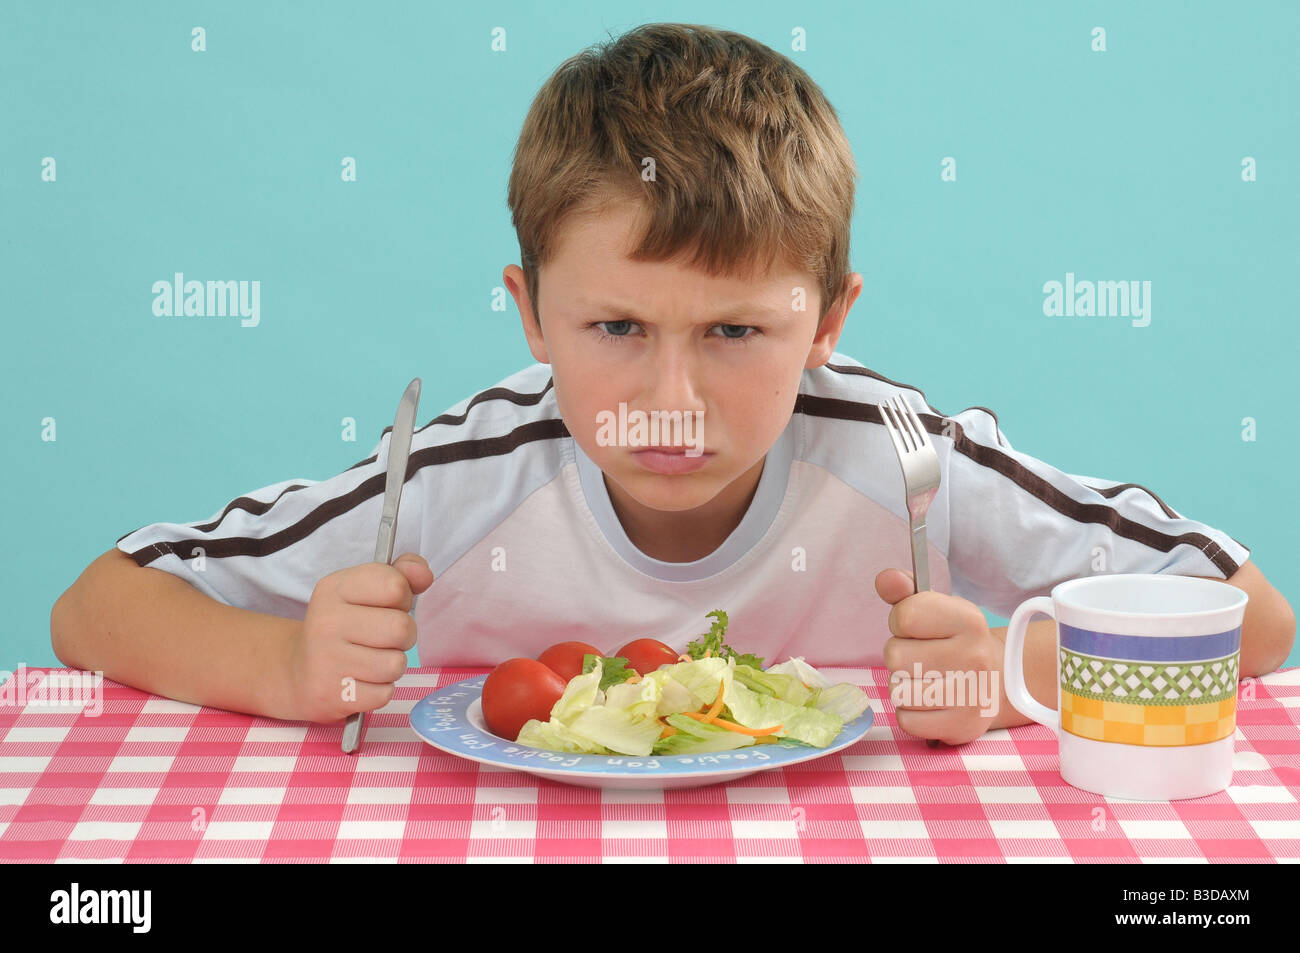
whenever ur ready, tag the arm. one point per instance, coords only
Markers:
(149, 629)
(1268, 630)
(1267, 634)
(1040, 671)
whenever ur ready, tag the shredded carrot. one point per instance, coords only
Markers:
(717, 704)
(635, 678)
(708, 653)
(683, 658)
(668, 730)
(732, 726)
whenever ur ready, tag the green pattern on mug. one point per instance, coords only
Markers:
(1149, 683)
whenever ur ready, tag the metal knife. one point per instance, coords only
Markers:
(399, 451)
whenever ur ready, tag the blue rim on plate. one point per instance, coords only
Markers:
(451, 720)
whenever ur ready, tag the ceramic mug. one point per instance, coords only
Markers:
(1147, 668)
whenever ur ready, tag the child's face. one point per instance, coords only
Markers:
(672, 350)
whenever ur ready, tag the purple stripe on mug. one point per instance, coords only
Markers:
(1146, 648)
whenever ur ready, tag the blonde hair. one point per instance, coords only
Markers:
(751, 164)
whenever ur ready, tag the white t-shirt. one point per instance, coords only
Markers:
(517, 526)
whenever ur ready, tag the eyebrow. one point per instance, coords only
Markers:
(744, 310)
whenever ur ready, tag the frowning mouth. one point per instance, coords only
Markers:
(671, 460)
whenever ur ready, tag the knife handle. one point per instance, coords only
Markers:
(352, 731)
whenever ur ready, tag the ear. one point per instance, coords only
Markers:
(832, 324)
(513, 276)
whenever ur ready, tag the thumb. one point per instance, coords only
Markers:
(416, 570)
(894, 585)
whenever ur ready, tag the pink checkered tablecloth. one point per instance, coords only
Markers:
(147, 779)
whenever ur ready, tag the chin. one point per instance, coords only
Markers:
(670, 493)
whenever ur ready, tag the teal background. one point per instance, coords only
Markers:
(225, 164)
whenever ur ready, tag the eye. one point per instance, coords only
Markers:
(739, 338)
(617, 329)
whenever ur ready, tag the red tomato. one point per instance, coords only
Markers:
(646, 655)
(519, 689)
(565, 658)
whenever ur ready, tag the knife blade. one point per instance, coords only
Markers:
(399, 452)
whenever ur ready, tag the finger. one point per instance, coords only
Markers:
(377, 666)
(932, 615)
(365, 696)
(416, 570)
(378, 628)
(941, 724)
(376, 584)
(919, 694)
(977, 693)
(902, 654)
(894, 584)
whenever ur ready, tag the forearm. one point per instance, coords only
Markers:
(1040, 671)
(1268, 627)
(154, 631)
(1267, 634)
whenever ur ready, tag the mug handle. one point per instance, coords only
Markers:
(1013, 664)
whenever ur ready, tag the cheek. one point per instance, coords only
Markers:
(579, 403)
(783, 392)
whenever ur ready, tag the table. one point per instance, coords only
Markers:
(148, 779)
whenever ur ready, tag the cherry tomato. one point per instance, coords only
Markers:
(519, 689)
(646, 655)
(565, 658)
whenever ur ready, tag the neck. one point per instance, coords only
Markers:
(686, 535)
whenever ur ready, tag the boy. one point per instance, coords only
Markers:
(683, 201)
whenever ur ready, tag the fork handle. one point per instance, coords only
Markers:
(920, 558)
(921, 573)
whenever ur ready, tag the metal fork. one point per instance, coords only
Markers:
(921, 473)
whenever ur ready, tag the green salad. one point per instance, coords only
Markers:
(717, 701)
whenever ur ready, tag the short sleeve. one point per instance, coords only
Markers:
(266, 549)
(1019, 526)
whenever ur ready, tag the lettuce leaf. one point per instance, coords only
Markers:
(788, 688)
(618, 729)
(801, 670)
(555, 736)
(700, 679)
(812, 726)
(581, 693)
(638, 698)
(674, 696)
(710, 644)
(696, 737)
(615, 669)
(843, 700)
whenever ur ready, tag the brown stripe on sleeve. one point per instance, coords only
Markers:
(1110, 491)
(454, 420)
(867, 372)
(259, 508)
(1026, 479)
(549, 429)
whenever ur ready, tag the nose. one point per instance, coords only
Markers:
(676, 374)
